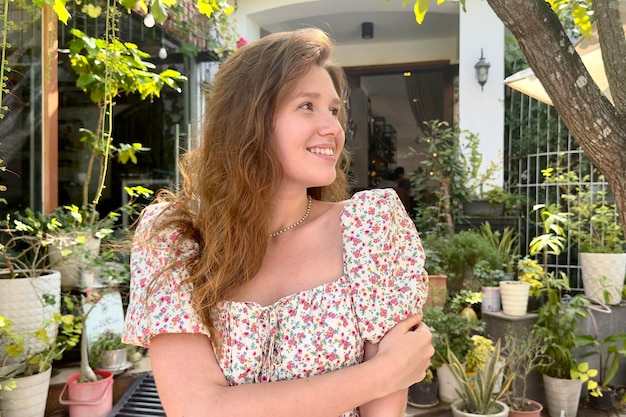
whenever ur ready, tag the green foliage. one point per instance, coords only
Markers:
(107, 68)
(439, 183)
(450, 331)
(523, 355)
(506, 243)
(557, 327)
(478, 354)
(461, 252)
(35, 362)
(106, 341)
(610, 351)
(477, 392)
(575, 15)
(487, 276)
(592, 220)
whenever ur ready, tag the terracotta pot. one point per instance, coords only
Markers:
(531, 413)
(437, 291)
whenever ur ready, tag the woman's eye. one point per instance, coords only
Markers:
(307, 106)
(335, 112)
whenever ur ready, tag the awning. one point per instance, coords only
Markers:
(526, 82)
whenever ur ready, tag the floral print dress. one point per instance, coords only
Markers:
(304, 334)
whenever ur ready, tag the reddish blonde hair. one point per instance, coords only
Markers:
(231, 177)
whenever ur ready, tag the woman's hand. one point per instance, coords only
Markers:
(405, 352)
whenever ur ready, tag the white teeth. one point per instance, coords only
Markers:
(323, 151)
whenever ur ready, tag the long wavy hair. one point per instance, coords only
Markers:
(231, 177)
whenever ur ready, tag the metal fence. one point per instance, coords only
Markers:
(536, 139)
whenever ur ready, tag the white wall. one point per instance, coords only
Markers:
(482, 112)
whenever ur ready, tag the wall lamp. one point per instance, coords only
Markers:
(482, 70)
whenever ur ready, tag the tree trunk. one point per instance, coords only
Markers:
(598, 126)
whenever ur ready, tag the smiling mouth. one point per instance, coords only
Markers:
(322, 151)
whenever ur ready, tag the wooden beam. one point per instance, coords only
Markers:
(50, 100)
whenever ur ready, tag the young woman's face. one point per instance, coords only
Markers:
(308, 134)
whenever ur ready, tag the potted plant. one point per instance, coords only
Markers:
(460, 253)
(450, 332)
(594, 225)
(523, 356)
(478, 394)
(108, 352)
(507, 244)
(464, 301)
(531, 272)
(440, 179)
(424, 394)
(557, 325)
(106, 68)
(25, 375)
(89, 391)
(490, 286)
(437, 277)
(609, 351)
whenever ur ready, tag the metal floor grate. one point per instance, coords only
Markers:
(140, 400)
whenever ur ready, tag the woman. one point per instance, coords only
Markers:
(258, 289)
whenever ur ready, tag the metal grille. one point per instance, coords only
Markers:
(140, 400)
(537, 139)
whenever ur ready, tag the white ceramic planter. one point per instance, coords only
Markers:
(23, 300)
(454, 407)
(514, 295)
(562, 394)
(603, 273)
(29, 398)
(448, 385)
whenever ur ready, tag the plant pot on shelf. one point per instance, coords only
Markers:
(605, 402)
(437, 290)
(534, 410)
(491, 299)
(31, 303)
(603, 273)
(89, 399)
(29, 398)
(562, 394)
(71, 265)
(424, 394)
(456, 408)
(447, 385)
(483, 208)
(514, 295)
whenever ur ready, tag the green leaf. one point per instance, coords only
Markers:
(61, 11)
(159, 11)
(420, 8)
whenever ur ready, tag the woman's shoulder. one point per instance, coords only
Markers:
(372, 201)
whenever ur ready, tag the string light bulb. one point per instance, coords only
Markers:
(149, 21)
(162, 52)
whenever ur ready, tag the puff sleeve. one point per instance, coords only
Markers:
(384, 262)
(163, 306)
